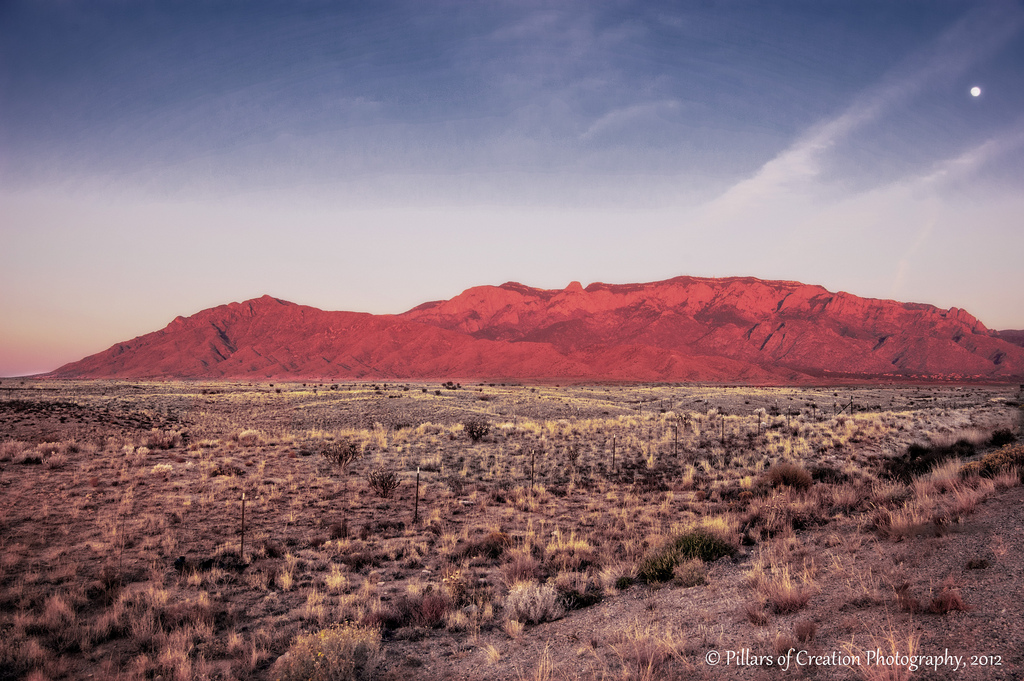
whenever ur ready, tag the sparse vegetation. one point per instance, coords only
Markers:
(594, 515)
(339, 653)
(660, 564)
(340, 453)
(476, 429)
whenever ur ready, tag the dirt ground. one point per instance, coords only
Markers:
(124, 555)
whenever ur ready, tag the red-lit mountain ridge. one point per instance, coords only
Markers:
(733, 330)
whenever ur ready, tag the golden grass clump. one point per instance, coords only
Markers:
(338, 653)
(533, 603)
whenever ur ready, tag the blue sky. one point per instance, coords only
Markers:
(157, 158)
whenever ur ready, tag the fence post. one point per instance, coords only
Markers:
(241, 548)
(416, 504)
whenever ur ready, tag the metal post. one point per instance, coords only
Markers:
(241, 549)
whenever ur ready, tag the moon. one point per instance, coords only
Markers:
(975, 91)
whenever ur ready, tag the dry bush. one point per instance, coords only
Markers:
(514, 628)
(533, 603)
(643, 652)
(994, 463)
(569, 553)
(756, 614)
(690, 573)
(948, 600)
(783, 593)
(158, 439)
(338, 653)
(383, 482)
(249, 437)
(782, 511)
(491, 546)
(10, 449)
(787, 474)
(783, 643)
(340, 453)
(892, 645)
(476, 428)
(521, 567)
(578, 589)
(617, 575)
(919, 459)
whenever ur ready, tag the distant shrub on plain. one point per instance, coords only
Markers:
(339, 653)
(158, 439)
(249, 437)
(476, 429)
(340, 453)
(383, 482)
(789, 475)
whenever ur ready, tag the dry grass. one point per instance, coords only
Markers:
(121, 524)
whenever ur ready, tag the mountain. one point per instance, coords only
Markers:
(1012, 336)
(733, 330)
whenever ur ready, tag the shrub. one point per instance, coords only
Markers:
(157, 439)
(476, 429)
(490, 546)
(756, 614)
(1003, 436)
(948, 600)
(790, 475)
(340, 453)
(659, 565)
(920, 459)
(578, 589)
(383, 482)
(248, 437)
(783, 593)
(689, 573)
(996, 462)
(340, 652)
(522, 567)
(533, 603)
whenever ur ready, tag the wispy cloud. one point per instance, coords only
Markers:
(976, 36)
(628, 117)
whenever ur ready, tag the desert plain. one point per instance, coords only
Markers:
(429, 530)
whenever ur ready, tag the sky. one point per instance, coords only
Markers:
(160, 158)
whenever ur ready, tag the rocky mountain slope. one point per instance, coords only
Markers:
(740, 330)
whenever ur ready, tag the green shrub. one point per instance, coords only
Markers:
(338, 653)
(659, 565)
